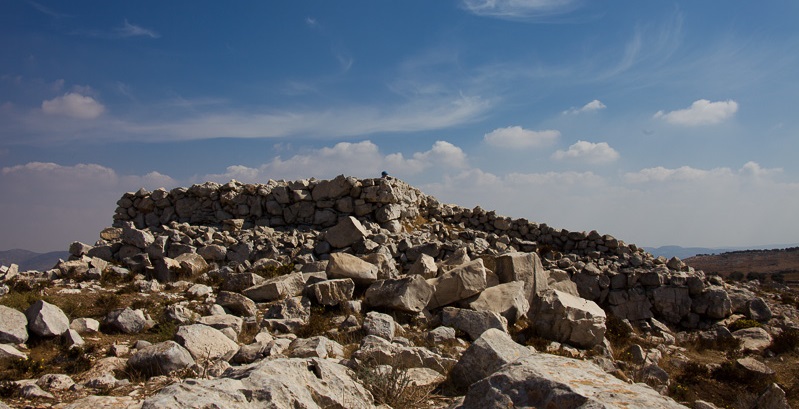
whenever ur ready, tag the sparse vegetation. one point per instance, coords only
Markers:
(786, 341)
(743, 323)
(392, 385)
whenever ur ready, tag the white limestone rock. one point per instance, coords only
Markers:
(411, 293)
(458, 284)
(565, 318)
(160, 359)
(342, 265)
(205, 343)
(46, 320)
(13, 326)
(551, 381)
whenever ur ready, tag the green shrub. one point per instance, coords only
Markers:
(274, 271)
(743, 323)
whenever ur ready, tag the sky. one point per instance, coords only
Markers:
(660, 123)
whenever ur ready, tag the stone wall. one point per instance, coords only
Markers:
(320, 204)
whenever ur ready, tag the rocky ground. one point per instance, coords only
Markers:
(355, 293)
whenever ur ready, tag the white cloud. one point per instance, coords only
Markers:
(592, 106)
(362, 159)
(589, 152)
(701, 112)
(132, 30)
(518, 137)
(73, 105)
(518, 9)
(46, 206)
(691, 174)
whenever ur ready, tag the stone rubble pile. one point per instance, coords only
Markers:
(402, 281)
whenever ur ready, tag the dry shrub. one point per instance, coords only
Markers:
(786, 341)
(392, 385)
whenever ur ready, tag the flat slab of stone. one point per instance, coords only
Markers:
(551, 381)
(289, 285)
(474, 323)
(410, 294)
(342, 265)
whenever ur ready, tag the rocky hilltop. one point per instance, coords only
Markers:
(353, 293)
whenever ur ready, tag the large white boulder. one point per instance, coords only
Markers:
(46, 320)
(551, 381)
(460, 283)
(565, 318)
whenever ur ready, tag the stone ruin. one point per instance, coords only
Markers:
(435, 289)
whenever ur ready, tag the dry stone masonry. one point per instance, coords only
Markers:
(306, 293)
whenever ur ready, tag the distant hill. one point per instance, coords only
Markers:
(778, 264)
(29, 260)
(685, 252)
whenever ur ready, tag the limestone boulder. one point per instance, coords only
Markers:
(46, 320)
(411, 293)
(672, 303)
(300, 383)
(192, 264)
(342, 265)
(380, 325)
(551, 381)
(289, 285)
(13, 326)
(458, 284)
(287, 315)
(524, 267)
(332, 292)
(85, 325)
(237, 303)
(347, 232)
(205, 343)
(486, 355)
(474, 323)
(202, 393)
(565, 318)
(223, 321)
(753, 339)
(424, 266)
(315, 347)
(160, 359)
(127, 320)
(507, 300)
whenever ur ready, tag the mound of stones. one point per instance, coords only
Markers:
(391, 278)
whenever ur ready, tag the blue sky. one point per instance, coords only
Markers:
(656, 122)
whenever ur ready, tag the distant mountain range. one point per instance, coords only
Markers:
(29, 260)
(685, 252)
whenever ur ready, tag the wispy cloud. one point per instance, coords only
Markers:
(217, 120)
(519, 9)
(47, 10)
(588, 152)
(701, 112)
(518, 137)
(132, 30)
